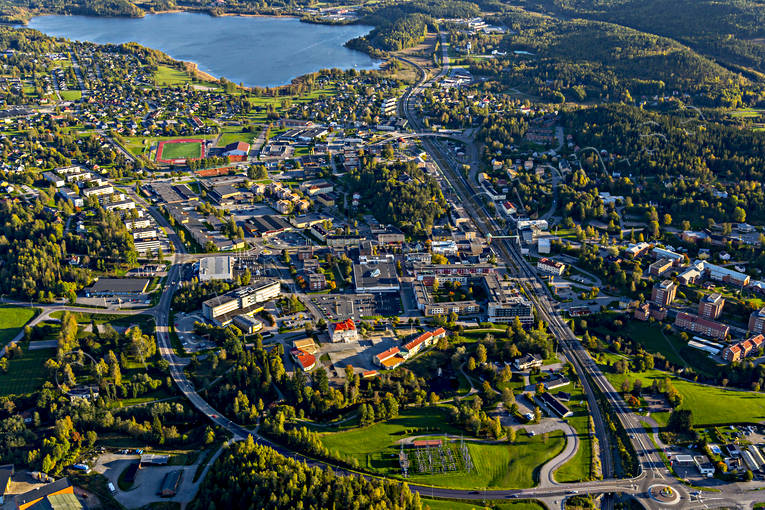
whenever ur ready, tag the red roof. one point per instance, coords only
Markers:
(439, 331)
(387, 354)
(417, 341)
(306, 360)
(346, 325)
(369, 373)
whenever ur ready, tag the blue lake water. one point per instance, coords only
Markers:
(255, 51)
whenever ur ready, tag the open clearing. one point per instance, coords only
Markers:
(711, 405)
(12, 319)
(497, 465)
(27, 373)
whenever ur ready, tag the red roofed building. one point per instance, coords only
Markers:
(237, 151)
(306, 361)
(732, 353)
(389, 359)
(702, 326)
(508, 208)
(344, 331)
(741, 350)
(424, 340)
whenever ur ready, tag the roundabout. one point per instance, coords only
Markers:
(663, 494)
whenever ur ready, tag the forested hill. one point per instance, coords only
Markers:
(731, 31)
(585, 59)
(19, 10)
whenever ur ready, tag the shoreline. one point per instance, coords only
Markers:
(193, 67)
(25, 21)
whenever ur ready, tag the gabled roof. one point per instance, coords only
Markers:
(387, 354)
(305, 359)
(417, 341)
(42, 492)
(346, 325)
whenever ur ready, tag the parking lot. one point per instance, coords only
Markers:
(359, 355)
(341, 306)
(184, 327)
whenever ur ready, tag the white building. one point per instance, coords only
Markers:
(216, 268)
(550, 266)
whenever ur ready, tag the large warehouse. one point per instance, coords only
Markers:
(105, 287)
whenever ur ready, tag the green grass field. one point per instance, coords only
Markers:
(182, 150)
(501, 466)
(170, 76)
(578, 467)
(671, 346)
(710, 405)
(71, 95)
(497, 466)
(12, 319)
(227, 138)
(25, 374)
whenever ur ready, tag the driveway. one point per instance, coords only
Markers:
(149, 479)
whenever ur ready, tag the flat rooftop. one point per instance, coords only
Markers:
(119, 285)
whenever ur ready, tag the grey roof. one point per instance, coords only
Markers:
(42, 492)
(136, 285)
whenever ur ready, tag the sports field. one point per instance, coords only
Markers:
(171, 151)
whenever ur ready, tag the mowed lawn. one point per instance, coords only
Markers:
(711, 405)
(181, 150)
(12, 319)
(501, 465)
(578, 467)
(27, 373)
(497, 466)
(362, 443)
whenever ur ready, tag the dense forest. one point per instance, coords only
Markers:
(248, 475)
(403, 25)
(690, 166)
(18, 10)
(582, 60)
(730, 32)
(400, 194)
(34, 251)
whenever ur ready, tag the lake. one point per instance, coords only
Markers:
(255, 51)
